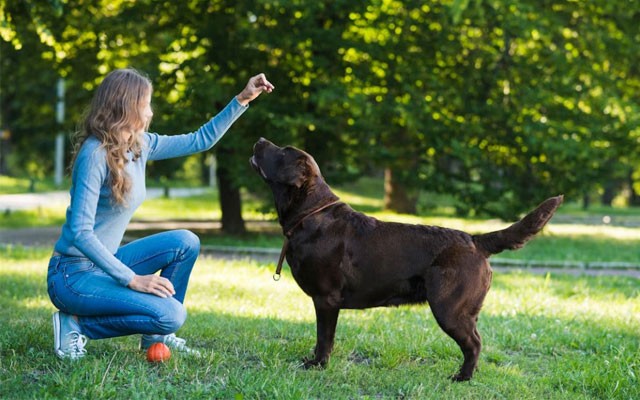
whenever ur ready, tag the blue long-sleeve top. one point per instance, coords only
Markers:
(95, 225)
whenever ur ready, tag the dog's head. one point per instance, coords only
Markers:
(286, 166)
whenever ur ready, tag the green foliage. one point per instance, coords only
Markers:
(497, 103)
(548, 336)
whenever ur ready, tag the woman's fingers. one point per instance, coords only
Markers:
(153, 284)
(263, 83)
(165, 285)
(162, 286)
(256, 85)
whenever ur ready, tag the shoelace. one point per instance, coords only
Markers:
(76, 345)
(179, 344)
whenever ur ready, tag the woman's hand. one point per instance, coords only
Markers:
(154, 284)
(256, 85)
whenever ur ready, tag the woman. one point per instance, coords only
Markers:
(103, 290)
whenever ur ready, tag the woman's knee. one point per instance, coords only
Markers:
(172, 319)
(190, 242)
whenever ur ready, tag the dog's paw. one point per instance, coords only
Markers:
(460, 377)
(313, 363)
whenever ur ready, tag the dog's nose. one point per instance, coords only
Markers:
(261, 143)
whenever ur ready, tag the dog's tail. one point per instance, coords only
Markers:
(515, 236)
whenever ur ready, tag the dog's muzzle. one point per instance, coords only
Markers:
(255, 166)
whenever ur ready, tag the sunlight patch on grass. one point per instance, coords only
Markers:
(230, 287)
(604, 231)
(577, 248)
(467, 225)
(357, 200)
(11, 185)
(564, 299)
(203, 206)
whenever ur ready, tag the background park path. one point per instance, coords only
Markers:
(47, 236)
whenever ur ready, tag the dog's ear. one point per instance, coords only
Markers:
(291, 172)
(294, 170)
(292, 176)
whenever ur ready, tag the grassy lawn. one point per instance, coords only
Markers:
(9, 185)
(545, 337)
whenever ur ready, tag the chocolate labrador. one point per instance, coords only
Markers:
(344, 259)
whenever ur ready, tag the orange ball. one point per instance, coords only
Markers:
(158, 352)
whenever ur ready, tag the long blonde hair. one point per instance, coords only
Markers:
(115, 109)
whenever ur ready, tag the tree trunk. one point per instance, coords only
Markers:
(634, 196)
(204, 169)
(608, 194)
(230, 202)
(586, 201)
(396, 196)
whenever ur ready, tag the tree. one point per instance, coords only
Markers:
(499, 103)
(390, 76)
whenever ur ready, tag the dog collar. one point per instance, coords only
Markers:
(285, 244)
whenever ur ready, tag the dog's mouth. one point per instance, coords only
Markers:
(255, 166)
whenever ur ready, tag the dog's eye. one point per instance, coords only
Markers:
(290, 153)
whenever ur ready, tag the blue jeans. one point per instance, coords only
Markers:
(105, 308)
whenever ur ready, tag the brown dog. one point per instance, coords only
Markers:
(344, 259)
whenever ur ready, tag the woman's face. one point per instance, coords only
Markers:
(145, 110)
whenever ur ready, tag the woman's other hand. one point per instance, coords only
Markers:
(256, 85)
(154, 284)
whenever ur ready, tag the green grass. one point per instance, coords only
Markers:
(201, 207)
(10, 185)
(42, 217)
(587, 246)
(545, 337)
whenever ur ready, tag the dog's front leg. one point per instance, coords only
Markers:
(326, 321)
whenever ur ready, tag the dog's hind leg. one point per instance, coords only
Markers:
(326, 321)
(462, 329)
(455, 296)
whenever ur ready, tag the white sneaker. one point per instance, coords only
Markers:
(68, 342)
(172, 341)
